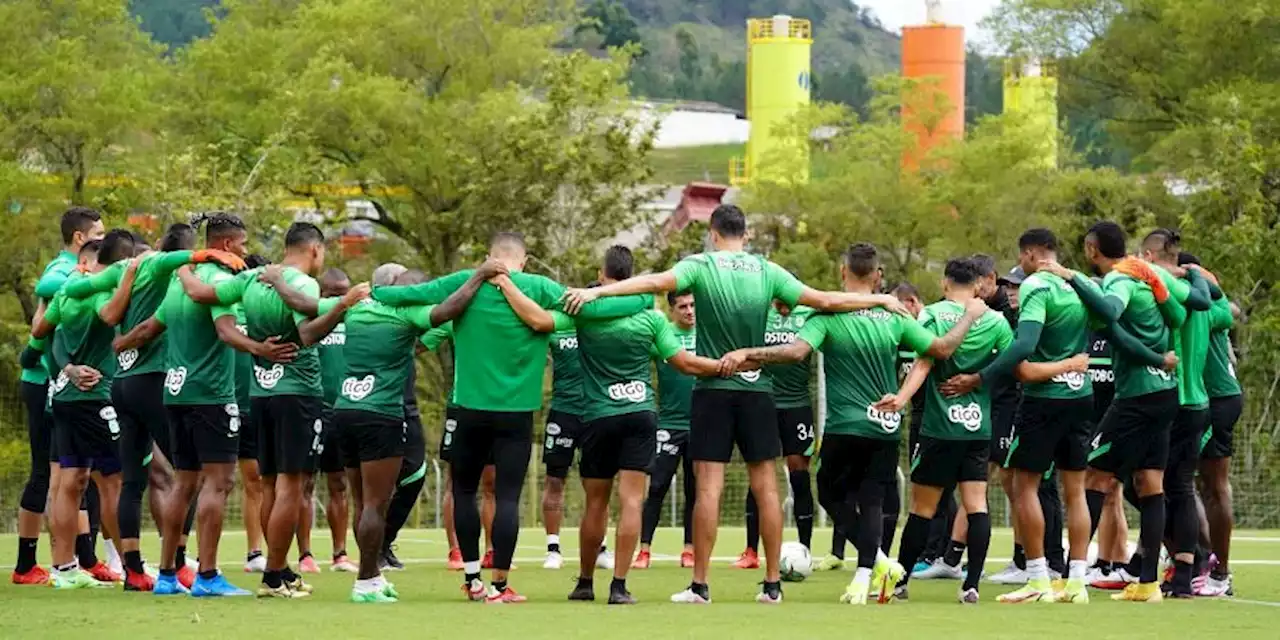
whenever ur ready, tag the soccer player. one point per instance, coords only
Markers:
(200, 401)
(795, 429)
(675, 395)
(1108, 572)
(1133, 439)
(860, 443)
(732, 292)
(1226, 403)
(955, 439)
(333, 284)
(499, 386)
(79, 225)
(288, 398)
(562, 435)
(250, 480)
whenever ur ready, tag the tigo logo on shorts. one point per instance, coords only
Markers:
(357, 388)
(969, 416)
(108, 415)
(233, 424)
(268, 378)
(174, 379)
(553, 429)
(634, 391)
(127, 359)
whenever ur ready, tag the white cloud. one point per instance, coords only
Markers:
(897, 13)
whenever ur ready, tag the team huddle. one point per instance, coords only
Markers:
(171, 370)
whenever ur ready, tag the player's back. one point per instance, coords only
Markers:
(616, 356)
(1051, 301)
(566, 372)
(200, 367)
(266, 315)
(1143, 320)
(860, 350)
(967, 416)
(378, 351)
(86, 340)
(790, 381)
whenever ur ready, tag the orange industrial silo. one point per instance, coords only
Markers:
(933, 56)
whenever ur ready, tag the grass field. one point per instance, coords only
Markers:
(432, 607)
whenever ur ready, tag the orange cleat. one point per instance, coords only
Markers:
(455, 560)
(308, 565)
(487, 561)
(748, 560)
(102, 573)
(642, 560)
(34, 575)
(138, 581)
(686, 559)
(506, 596)
(186, 576)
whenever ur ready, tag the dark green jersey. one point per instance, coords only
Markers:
(733, 292)
(244, 368)
(790, 381)
(1049, 300)
(860, 352)
(55, 275)
(675, 389)
(566, 373)
(1142, 319)
(1219, 372)
(967, 417)
(199, 366)
(84, 339)
(150, 287)
(1101, 374)
(616, 357)
(1191, 343)
(379, 353)
(333, 363)
(266, 315)
(432, 340)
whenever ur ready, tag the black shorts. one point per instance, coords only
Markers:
(449, 432)
(366, 436)
(846, 462)
(290, 429)
(1051, 432)
(722, 418)
(626, 442)
(248, 433)
(204, 434)
(796, 431)
(946, 463)
(1004, 413)
(87, 435)
(415, 442)
(1224, 413)
(1186, 437)
(671, 443)
(139, 399)
(563, 434)
(1134, 434)
(332, 457)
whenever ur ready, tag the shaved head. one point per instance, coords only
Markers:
(334, 282)
(509, 248)
(411, 277)
(385, 275)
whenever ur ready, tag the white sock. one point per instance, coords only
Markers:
(880, 556)
(367, 586)
(112, 556)
(471, 568)
(1037, 569)
(552, 539)
(1078, 569)
(862, 576)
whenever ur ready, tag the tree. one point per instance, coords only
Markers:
(173, 22)
(613, 22)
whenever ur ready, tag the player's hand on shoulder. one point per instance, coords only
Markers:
(1052, 266)
(575, 299)
(975, 306)
(893, 305)
(272, 274)
(357, 294)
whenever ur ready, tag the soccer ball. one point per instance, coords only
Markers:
(796, 563)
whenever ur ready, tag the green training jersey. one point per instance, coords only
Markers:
(1049, 300)
(266, 315)
(85, 340)
(150, 287)
(1219, 372)
(199, 366)
(1142, 319)
(244, 367)
(566, 373)
(55, 274)
(732, 294)
(860, 354)
(379, 353)
(675, 389)
(616, 359)
(790, 381)
(1191, 343)
(333, 362)
(431, 341)
(967, 417)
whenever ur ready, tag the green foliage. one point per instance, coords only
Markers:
(174, 22)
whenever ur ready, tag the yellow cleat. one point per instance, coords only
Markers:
(1144, 592)
(1034, 591)
(1072, 592)
(885, 577)
(829, 563)
(855, 593)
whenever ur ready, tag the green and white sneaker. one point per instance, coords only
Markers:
(389, 590)
(371, 596)
(76, 579)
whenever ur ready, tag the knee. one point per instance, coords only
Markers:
(337, 484)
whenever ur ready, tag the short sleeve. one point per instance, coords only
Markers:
(1120, 288)
(915, 337)
(1179, 289)
(784, 286)
(325, 305)
(546, 292)
(217, 277)
(104, 280)
(418, 317)
(53, 312)
(232, 291)
(310, 287)
(1032, 301)
(1220, 318)
(159, 315)
(926, 318)
(689, 271)
(52, 280)
(100, 300)
(814, 332)
(564, 321)
(437, 336)
(664, 339)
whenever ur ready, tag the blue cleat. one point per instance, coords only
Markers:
(216, 587)
(920, 567)
(168, 585)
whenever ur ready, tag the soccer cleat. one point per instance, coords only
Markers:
(186, 576)
(686, 559)
(454, 563)
(938, 570)
(389, 561)
(34, 575)
(968, 596)
(1010, 575)
(1072, 592)
(371, 597)
(1034, 591)
(1140, 592)
(283, 592)
(102, 573)
(138, 581)
(885, 576)
(764, 597)
(605, 560)
(168, 585)
(343, 564)
(583, 592)
(856, 592)
(554, 560)
(308, 565)
(689, 596)
(900, 593)
(506, 596)
(474, 590)
(920, 567)
(1117, 580)
(76, 579)
(297, 585)
(389, 590)
(621, 597)
(1212, 587)
(487, 561)
(748, 560)
(830, 563)
(216, 587)
(255, 563)
(642, 560)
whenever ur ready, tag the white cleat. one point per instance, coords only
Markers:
(1214, 588)
(554, 560)
(1010, 575)
(257, 565)
(689, 596)
(940, 570)
(605, 560)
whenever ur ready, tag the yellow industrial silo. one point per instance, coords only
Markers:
(778, 83)
(1031, 88)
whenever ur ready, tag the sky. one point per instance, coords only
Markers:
(896, 13)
